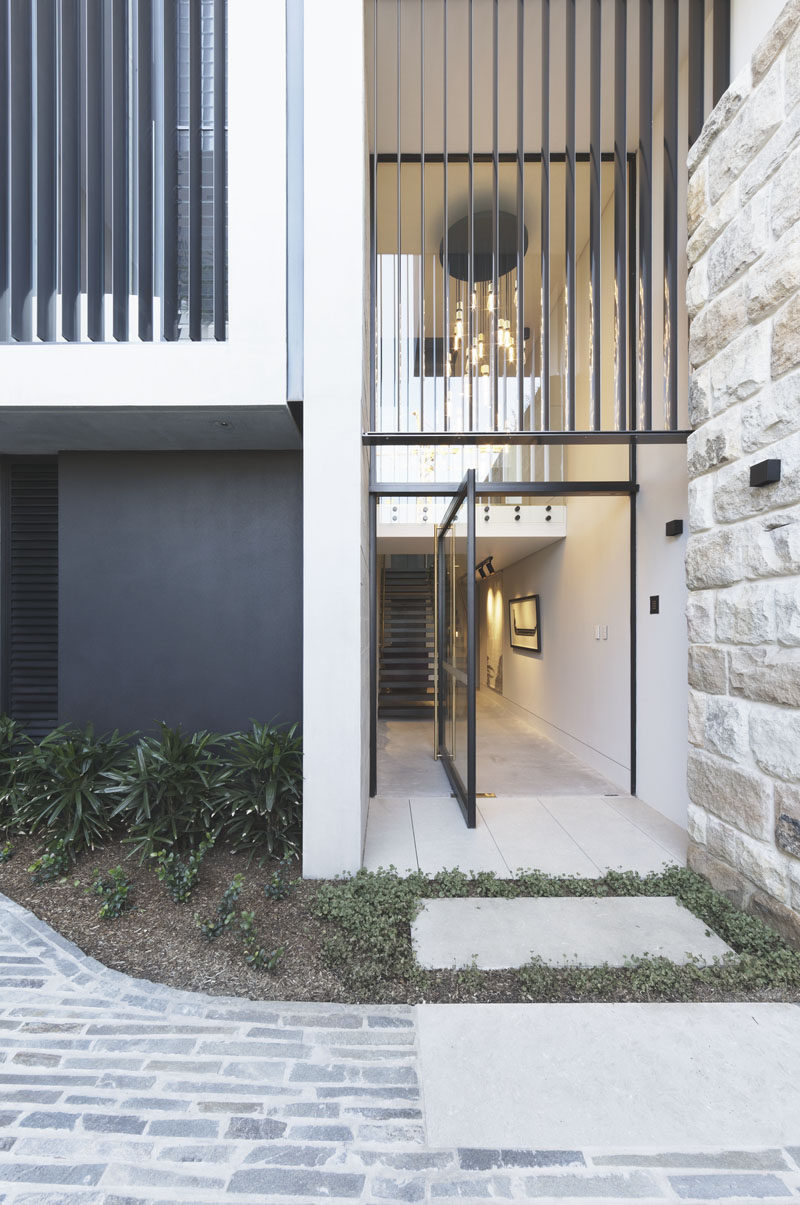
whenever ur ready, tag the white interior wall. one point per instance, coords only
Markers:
(662, 643)
(577, 689)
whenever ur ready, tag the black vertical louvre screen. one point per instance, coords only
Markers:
(528, 174)
(31, 595)
(113, 170)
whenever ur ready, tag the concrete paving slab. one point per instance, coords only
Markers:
(390, 835)
(528, 836)
(605, 835)
(444, 841)
(651, 1077)
(563, 931)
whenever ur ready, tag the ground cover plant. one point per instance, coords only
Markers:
(369, 941)
(179, 873)
(349, 940)
(114, 890)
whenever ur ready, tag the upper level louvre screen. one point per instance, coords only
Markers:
(528, 193)
(113, 172)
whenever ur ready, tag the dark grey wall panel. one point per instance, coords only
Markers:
(180, 588)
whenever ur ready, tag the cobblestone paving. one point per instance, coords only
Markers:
(115, 1091)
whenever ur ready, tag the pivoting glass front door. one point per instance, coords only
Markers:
(457, 651)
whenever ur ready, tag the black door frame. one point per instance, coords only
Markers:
(439, 489)
(465, 792)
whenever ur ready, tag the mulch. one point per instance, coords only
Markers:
(160, 940)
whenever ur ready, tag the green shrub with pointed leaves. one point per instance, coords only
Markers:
(11, 740)
(61, 786)
(261, 811)
(169, 790)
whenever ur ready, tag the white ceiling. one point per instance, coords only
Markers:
(382, 102)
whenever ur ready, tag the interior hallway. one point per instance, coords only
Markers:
(549, 810)
(513, 758)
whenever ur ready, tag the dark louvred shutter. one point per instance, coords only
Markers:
(32, 595)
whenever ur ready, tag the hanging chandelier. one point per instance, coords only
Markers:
(483, 337)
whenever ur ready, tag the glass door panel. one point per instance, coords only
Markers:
(457, 670)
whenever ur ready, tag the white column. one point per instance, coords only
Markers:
(335, 655)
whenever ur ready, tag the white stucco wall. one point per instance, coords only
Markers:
(335, 685)
(750, 21)
(661, 639)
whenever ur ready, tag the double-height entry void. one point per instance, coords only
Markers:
(528, 349)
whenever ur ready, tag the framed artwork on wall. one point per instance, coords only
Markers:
(523, 623)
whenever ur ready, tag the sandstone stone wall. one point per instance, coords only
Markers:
(743, 554)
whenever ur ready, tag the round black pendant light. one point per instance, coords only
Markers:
(460, 241)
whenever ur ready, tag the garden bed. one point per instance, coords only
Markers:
(349, 940)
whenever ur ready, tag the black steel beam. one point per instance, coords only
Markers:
(671, 214)
(697, 55)
(471, 376)
(510, 438)
(472, 657)
(520, 331)
(70, 170)
(170, 104)
(95, 170)
(195, 171)
(422, 220)
(570, 237)
(21, 172)
(545, 219)
(46, 170)
(721, 48)
(398, 182)
(5, 199)
(644, 416)
(220, 169)
(523, 489)
(373, 644)
(509, 157)
(633, 614)
(595, 100)
(5, 207)
(145, 168)
(119, 169)
(446, 227)
(620, 213)
(494, 351)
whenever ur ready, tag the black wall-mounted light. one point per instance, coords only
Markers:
(485, 568)
(766, 472)
(674, 527)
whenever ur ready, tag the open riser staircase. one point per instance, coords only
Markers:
(406, 678)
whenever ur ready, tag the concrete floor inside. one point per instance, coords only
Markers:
(549, 810)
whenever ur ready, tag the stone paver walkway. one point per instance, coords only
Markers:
(115, 1091)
